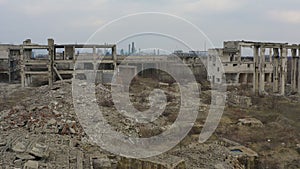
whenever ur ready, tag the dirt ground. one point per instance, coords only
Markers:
(45, 115)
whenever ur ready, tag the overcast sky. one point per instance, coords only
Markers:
(70, 21)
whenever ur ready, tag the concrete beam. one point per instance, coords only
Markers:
(57, 73)
(85, 46)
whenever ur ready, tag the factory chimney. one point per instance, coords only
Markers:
(129, 49)
(133, 48)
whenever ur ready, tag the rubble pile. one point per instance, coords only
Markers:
(251, 122)
(238, 100)
(42, 119)
(41, 130)
(212, 155)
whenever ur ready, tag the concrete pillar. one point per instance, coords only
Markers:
(9, 77)
(270, 78)
(283, 70)
(275, 71)
(114, 55)
(245, 78)
(236, 80)
(22, 71)
(51, 62)
(240, 54)
(271, 55)
(26, 81)
(262, 71)
(255, 73)
(294, 71)
(30, 79)
(94, 59)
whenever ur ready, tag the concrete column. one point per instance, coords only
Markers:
(262, 71)
(64, 54)
(51, 61)
(270, 78)
(236, 81)
(255, 73)
(26, 81)
(10, 68)
(271, 55)
(283, 70)
(275, 71)
(294, 71)
(74, 55)
(114, 55)
(271, 62)
(29, 80)
(94, 59)
(9, 77)
(245, 79)
(240, 54)
(22, 67)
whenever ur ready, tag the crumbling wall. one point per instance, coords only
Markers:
(237, 100)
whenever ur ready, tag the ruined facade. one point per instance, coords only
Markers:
(51, 62)
(62, 61)
(9, 62)
(263, 67)
(268, 63)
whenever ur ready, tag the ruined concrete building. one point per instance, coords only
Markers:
(268, 64)
(9, 62)
(53, 62)
(59, 61)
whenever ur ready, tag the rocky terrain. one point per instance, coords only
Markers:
(39, 129)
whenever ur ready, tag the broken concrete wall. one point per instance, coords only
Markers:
(126, 73)
(4, 50)
(242, 101)
(231, 44)
(4, 66)
(69, 52)
(214, 66)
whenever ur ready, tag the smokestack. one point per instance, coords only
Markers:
(129, 49)
(133, 48)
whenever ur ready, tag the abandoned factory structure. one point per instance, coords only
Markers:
(269, 64)
(275, 64)
(53, 62)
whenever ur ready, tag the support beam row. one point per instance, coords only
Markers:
(31, 66)
(279, 59)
